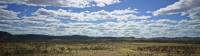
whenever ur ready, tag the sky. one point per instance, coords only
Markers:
(109, 18)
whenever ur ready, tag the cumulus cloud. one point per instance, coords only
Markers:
(64, 3)
(120, 15)
(143, 28)
(158, 28)
(7, 14)
(3, 6)
(102, 3)
(194, 13)
(190, 8)
(53, 22)
(180, 6)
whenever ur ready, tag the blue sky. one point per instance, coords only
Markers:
(142, 5)
(139, 18)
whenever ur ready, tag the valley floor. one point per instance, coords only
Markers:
(98, 49)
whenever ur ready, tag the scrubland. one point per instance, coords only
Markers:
(122, 48)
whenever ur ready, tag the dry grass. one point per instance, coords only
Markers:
(98, 49)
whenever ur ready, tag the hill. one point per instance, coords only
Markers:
(5, 36)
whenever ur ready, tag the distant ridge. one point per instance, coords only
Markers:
(5, 36)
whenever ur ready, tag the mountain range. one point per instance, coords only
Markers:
(5, 36)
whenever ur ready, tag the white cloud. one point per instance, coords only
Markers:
(180, 6)
(185, 7)
(3, 6)
(41, 18)
(149, 12)
(64, 3)
(7, 14)
(120, 15)
(48, 22)
(102, 3)
(194, 13)
(158, 28)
